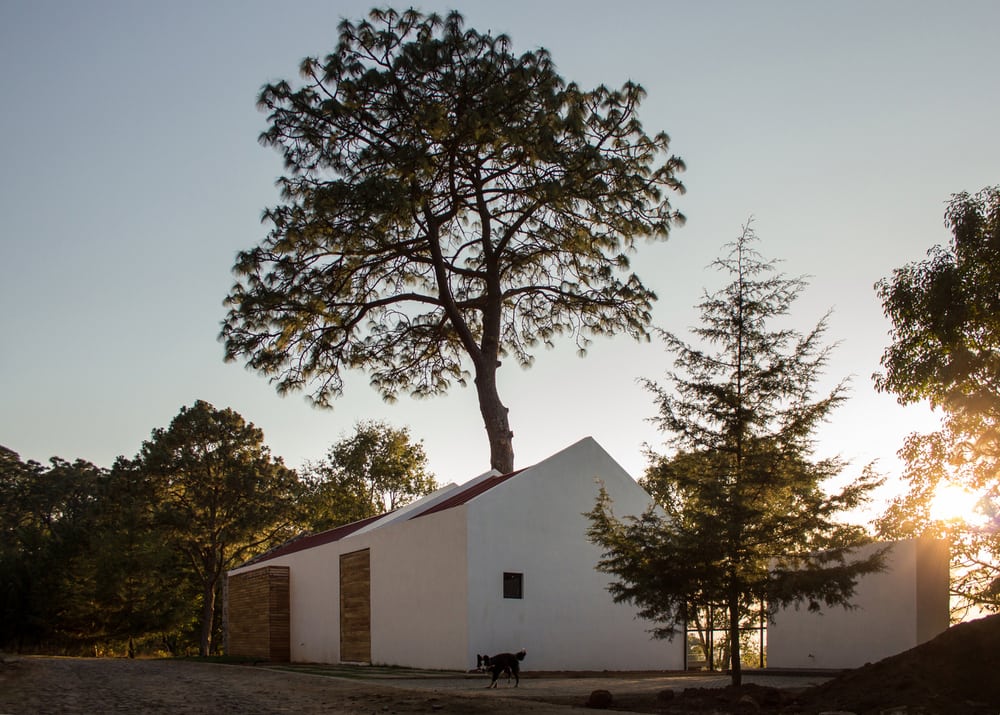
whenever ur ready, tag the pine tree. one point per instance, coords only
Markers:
(743, 517)
(448, 206)
(225, 498)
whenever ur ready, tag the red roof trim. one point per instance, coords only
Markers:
(324, 537)
(462, 496)
(465, 495)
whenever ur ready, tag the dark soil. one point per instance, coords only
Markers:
(957, 673)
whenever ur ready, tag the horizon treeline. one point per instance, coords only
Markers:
(131, 559)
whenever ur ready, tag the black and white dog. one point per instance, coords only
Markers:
(509, 663)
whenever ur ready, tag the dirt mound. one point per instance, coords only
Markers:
(956, 673)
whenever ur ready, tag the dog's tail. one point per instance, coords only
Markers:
(521, 653)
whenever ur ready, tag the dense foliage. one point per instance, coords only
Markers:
(373, 471)
(447, 203)
(222, 497)
(742, 515)
(945, 314)
(132, 558)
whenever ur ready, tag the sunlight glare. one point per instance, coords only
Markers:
(954, 503)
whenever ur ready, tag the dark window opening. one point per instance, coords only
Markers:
(513, 585)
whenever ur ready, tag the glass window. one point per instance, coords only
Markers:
(513, 585)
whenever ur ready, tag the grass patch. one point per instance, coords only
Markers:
(363, 672)
(223, 659)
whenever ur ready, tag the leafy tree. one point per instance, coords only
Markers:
(45, 557)
(375, 470)
(742, 515)
(932, 461)
(140, 590)
(945, 314)
(224, 497)
(68, 505)
(447, 204)
(18, 533)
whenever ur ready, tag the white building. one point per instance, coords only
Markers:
(503, 563)
(895, 610)
(497, 564)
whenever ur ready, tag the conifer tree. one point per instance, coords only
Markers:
(225, 498)
(141, 584)
(742, 517)
(448, 206)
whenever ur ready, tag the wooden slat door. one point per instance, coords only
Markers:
(355, 607)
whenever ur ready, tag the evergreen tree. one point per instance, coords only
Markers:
(224, 497)
(743, 517)
(46, 558)
(448, 204)
(22, 552)
(142, 588)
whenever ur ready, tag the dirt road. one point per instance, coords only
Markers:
(67, 686)
(953, 674)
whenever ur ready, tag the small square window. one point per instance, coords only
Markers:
(513, 585)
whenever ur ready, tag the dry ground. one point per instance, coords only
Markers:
(87, 685)
(957, 673)
(68, 686)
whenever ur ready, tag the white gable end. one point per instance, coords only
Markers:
(534, 525)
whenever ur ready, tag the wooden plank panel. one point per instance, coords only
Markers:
(355, 607)
(248, 614)
(257, 606)
(280, 615)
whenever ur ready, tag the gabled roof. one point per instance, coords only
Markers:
(447, 497)
(404, 512)
(301, 543)
(467, 493)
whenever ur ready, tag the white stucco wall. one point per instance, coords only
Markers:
(534, 524)
(412, 553)
(436, 580)
(314, 602)
(419, 592)
(897, 609)
(437, 597)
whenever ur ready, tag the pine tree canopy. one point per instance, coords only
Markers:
(446, 204)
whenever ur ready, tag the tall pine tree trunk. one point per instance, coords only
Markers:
(495, 420)
(492, 409)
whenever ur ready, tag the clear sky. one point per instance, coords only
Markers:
(130, 176)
